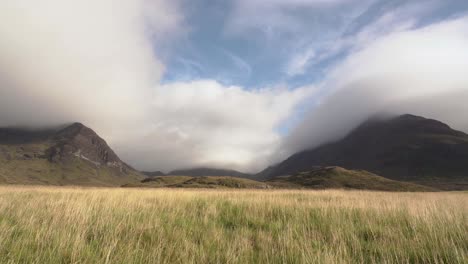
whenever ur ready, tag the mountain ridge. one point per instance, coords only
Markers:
(407, 147)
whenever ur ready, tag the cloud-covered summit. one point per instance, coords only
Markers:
(418, 71)
(174, 84)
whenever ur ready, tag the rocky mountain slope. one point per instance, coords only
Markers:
(71, 155)
(406, 148)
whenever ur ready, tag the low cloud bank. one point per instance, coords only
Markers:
(421, 71)
(94, 61)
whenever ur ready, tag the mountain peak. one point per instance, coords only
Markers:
(71, 131)
(72, 154)
(403, 125)
(411, 117)
(81, 141)
(406, 147)
(77, 125)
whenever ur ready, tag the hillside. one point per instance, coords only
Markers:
(153, 173)
(405, 148)
(200, 182)
(340, 178)
(319, 178)
(198, 172)
(71, 155)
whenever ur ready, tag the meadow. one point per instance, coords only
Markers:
(117, 225)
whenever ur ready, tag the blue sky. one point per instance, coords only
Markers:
(258, 44)
(263, 44)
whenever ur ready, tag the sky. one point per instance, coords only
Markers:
(238, 84)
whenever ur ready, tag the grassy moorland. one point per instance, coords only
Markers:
(205, 182)
(98, 225)
(340, 178)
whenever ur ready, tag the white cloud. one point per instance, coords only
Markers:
(295, 31)
(64, 60)
(240, 63)
(421, 71)
(205, 123)
(298, 64)
(276, 17)
(311, 52)
(93, 61)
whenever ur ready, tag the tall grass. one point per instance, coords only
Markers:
(74, 225)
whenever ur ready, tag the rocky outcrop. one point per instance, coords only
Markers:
(80, 141)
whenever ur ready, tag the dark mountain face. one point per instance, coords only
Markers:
(80, 141)
(199, 172)
(14, 136)
(408, 148)
(72, 154)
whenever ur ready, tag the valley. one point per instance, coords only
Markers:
(404, 153)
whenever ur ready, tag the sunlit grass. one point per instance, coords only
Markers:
(99, 225)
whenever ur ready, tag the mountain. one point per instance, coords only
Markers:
(153, 173)
(70, 155)
(407, 148)
(340, 178)
(199, 172)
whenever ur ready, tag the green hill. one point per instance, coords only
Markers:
(339, 178)
(319, 178)
(153, 173)
(200, 182)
